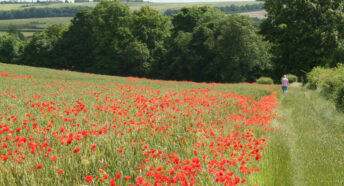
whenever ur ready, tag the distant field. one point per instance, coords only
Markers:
(257, 14)
(159, 6)
(30, 26)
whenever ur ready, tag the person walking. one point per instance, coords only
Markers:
(285, 83)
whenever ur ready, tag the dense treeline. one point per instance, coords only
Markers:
(198, 44)
(41, 12)
(226, 9)
(304, 34)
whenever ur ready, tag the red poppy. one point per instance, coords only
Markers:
(76, 150)
(88, 178)
(39, 166)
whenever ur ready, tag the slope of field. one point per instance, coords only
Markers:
(67, 128)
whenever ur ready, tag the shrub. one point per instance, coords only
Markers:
(339, 99)
(292, 78)
(264, 80)
(315, 76)
(330, 82)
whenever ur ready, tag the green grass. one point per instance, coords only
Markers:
(309, 147)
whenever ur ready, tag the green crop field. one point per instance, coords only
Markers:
(30, 26)
(67, 128)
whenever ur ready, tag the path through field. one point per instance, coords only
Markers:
(309, 149)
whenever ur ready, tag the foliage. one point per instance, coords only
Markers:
(77, 43)
(152, 30)
(9, 47)
(111, 27)
(265, 80)
(216, 48)
(41, 49)
(329, 82)
(314, 77)
(304, 34)
(292, 78)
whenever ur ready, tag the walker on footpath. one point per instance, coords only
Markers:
(285, 83)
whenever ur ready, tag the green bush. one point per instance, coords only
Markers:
(292, 78)
(339, 99)
(314, 77)
(330, 82)
(264, 80)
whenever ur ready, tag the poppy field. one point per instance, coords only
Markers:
(66, 128)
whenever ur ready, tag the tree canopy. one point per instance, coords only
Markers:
(304, 34)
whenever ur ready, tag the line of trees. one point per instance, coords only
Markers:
(225, 9)
(198, 44)
(41, 12)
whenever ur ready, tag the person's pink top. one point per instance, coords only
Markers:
(285, 82)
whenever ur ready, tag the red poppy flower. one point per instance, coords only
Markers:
(88, 178)
(39, 166)
(76, 150)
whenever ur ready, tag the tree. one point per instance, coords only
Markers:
(151, 29)
(77, 43)
(219, 48)
(241, 55)
(183, 47)
(188, 18)
(111, 26)
(9, 48)
(41, 50)
(136, 57)
(304, 33)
